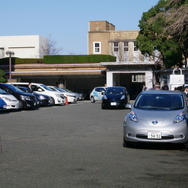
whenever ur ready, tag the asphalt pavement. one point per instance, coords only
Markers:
(80, 145)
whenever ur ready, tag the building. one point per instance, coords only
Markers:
(131, 69)
(26, 46)
(104, 39)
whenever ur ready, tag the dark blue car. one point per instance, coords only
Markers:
(115, 97)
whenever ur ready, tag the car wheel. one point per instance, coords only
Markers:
(52, 101)
(20, 105)
(92, 100)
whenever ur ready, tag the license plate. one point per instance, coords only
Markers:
(154, 135)
(113, 103)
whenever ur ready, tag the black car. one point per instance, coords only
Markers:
(27, 100)
(115, 97)
(43, 100)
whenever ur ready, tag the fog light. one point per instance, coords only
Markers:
(181, 136)
(129, 134)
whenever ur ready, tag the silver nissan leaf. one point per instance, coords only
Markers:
(157, 116)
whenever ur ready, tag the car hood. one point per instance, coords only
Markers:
(161, 116)
(9, 96)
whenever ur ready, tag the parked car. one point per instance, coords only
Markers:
(97, 94)
(11, 102)
(79, 96)
(43, 100)
(56, 97)
(26, 100)
(3, 105)
(115, 97)
(71, 97)
(157, 117)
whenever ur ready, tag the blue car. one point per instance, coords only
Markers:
(3, 105)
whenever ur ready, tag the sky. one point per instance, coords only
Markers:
(66, 21)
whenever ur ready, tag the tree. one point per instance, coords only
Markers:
(156, 33)
(50, 47)
(2, 76)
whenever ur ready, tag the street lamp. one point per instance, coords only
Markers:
(10, 54)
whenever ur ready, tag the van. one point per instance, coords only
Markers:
(56, 97)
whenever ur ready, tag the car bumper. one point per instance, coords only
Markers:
(13, 106)
(179, 134)
(111, 104)
(71, 99)
(30, 104)
(59, 100)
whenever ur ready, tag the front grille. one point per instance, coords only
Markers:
(33, 98)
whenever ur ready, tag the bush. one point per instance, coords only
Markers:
(74, 59)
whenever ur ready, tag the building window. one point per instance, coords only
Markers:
(126, 46)
(116, 47)
(138, 78)
(135, 48)
(97, 47)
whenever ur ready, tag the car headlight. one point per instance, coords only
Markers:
(41, 97)
(122, 97)
(24, 98)
(105, 97)
(133, 116)
(180, 117)
(6, 99)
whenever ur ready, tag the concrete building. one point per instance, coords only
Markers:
(26, 46)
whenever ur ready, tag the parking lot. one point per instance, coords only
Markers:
(80, 145)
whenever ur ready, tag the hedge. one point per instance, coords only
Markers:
(14, 60)
(60, 59)
(73, 59)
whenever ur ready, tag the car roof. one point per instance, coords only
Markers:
(116, 87)
(160, 92)
(25, 83)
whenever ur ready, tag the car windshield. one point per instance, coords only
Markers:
(3, 92)
(59, 89)
(14, 88)
(115, 91)
(46, 87)
(160, 101)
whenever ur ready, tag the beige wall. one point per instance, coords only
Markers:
(105, 33)
(100, 26)
(102, 37)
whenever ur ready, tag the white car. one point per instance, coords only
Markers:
(79, 96)
(97, 94)
(71, 97)
(10, 100)
(56, 97)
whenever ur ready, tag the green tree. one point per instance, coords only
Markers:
(156, 33)
(2, 76)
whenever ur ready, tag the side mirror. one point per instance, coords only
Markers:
(40, 90)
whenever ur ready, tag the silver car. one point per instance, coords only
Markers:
(157, 116)
(10, 100)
